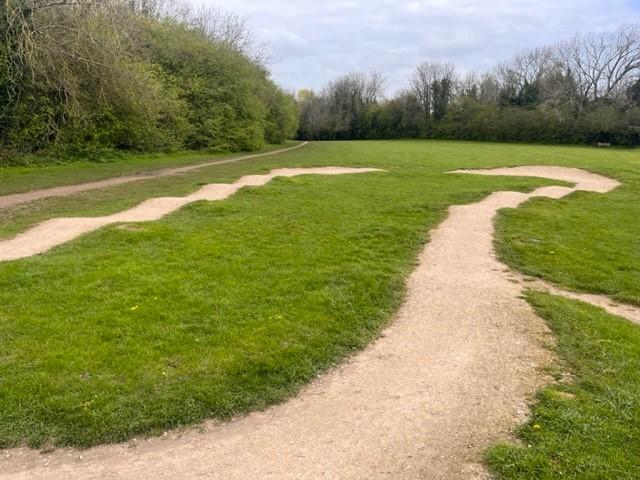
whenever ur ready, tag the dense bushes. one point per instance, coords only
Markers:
(467, 118)
(80, 77)
(470, 120)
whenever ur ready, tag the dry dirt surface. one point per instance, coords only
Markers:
(17, 198)
(57, 231)
(451, 375)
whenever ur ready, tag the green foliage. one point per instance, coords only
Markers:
(127, 80)
(441, 94)
(470, 119)
(220, 89)
(282, 115)
(634, 92)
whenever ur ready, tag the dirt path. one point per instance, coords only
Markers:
(17, 198)
(57, 231)
(451, 375)
(589, 183)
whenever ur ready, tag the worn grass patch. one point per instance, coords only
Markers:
(585, 427)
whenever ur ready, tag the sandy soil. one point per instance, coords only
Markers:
(57, 231)
(17, 198)
(451, 375)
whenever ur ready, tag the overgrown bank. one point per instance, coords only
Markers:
(81, 78)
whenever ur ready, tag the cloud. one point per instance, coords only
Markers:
(311, 42)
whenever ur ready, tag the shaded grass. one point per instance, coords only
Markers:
(586, 428)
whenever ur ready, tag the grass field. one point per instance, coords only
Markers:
(229, 306)
(16, 179)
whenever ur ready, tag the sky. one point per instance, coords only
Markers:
(310, 43)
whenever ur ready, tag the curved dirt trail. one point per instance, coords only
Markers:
(589, 182)
(451, 375)
(64, 191)
(57, 231)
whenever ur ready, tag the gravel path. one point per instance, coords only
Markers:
(451, 375)
(630, 312)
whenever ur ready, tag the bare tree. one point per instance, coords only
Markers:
(232, 30)
(468, 86)
(341, 109)
(604, 64)
(489, 89)
(356, 90)
(374, 86)
(431, 80)
(526, 67)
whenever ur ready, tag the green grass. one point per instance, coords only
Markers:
(17, 179)
(586, 428)
(439, 157)
(431, 157)
(230, 306)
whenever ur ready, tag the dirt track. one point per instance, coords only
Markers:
(451, 375)
(17, 198)
(57, 231)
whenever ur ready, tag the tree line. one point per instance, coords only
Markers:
(585, 90)
(78, 77)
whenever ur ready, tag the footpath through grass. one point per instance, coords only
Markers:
(225, 307)
(18, 179)
(221, 307)
(585, 427)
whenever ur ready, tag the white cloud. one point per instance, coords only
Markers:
(311, 42)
